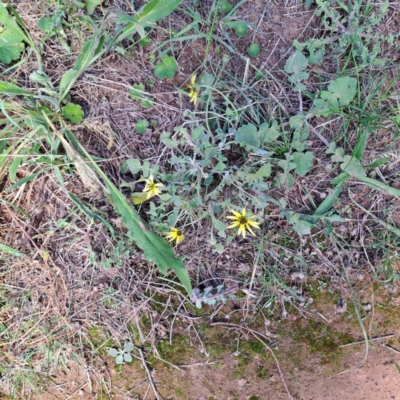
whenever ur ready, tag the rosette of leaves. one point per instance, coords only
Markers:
(122, 355)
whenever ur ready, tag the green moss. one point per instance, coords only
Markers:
(321, 338)
(177, 353)
(254, 398)
(98, 340)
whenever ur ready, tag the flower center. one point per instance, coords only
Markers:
(179, 233)
(242, 220)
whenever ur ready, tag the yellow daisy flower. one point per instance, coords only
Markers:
(152, 188)
(243, 223)
(193, 93)
(175, 234)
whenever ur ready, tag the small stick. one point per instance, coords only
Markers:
(153, 386)
(369, 340)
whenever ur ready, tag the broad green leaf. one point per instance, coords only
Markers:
(91, 5)
(112, 352)
(10, 88)
(264, 171)
(296, 63)
(46, 24)
(303, 161)
(129, 346)
(156, 10)
(133, 165)
(136, 92)
(302, 227)
(166, 68)
(268, 133)
(11, 45)
(353, 167)
(341, 92)
(247, 134)
(141, 126)
(73, 112)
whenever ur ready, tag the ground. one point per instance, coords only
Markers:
(304, 136)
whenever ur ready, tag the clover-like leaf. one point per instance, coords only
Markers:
(11, 45)
(141, 126)
(73, 112)
(166, 68)
(112, 352)
(303, 161)
(128, 347)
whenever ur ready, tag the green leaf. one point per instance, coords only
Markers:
(376, 185)
(353, 167)
(225, 7)
(10, 250)
(112, 352)
(134, 165)
(11, 45)
(296, 63)
(253, 50)
(141, 126)
(73, 112)
(10, 88)
(46, 24)
(166, 68)
(247, 134)
(91, 5)
(156, 10)
(303, 161)
(137, 94)
(340, 92)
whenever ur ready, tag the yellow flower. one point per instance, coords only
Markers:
(175, 234)
(193, 93)
(243, 222)
(152, 188)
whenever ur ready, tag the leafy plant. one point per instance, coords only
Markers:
(141, 126)
(166, 68)
(137, 93)
(123, 355)
(73, 112)
(253, 50)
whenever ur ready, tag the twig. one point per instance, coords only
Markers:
(158, 397)
(369, 340)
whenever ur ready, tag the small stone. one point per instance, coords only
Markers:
(242, 382)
